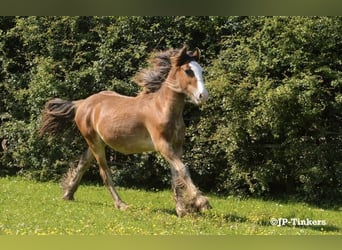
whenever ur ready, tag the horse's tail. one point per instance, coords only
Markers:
(57, 115)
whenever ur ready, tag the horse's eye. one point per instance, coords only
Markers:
(189, 72)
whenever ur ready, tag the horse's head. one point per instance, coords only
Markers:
(187, 74)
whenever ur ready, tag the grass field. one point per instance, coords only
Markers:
(30, 208)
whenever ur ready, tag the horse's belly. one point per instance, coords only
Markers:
(131, 143)
(134, 147)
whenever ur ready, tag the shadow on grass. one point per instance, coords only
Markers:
(234, 218)
(167, 211)
(205, 215)
(230, 217)
(92, 203)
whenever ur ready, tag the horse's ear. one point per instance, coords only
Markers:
(197, 54)
(178, 59)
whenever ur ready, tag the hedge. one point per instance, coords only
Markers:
(271, 127)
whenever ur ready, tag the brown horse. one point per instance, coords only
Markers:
(151, 121)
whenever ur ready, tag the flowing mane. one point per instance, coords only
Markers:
(159, 65)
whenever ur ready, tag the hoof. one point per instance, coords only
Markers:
(121, 206)
(68, 197)
(201, 204)
(181, 212)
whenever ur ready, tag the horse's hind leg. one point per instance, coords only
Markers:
(73, 177)
(100, 156)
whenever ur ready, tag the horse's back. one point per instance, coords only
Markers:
(110, 93)
(106, 94)
(103, 104)
(105, 100)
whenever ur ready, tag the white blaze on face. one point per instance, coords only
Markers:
(201, 94)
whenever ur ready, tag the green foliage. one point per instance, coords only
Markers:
(272, 125)
(281, 119)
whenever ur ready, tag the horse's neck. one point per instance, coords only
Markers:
(171, 101)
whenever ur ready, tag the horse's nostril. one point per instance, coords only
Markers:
(200, 96)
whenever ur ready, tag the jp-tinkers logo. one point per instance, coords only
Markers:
(296, 222)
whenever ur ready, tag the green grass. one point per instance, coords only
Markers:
(30, 208)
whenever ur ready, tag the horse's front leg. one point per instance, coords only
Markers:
(187, 197)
